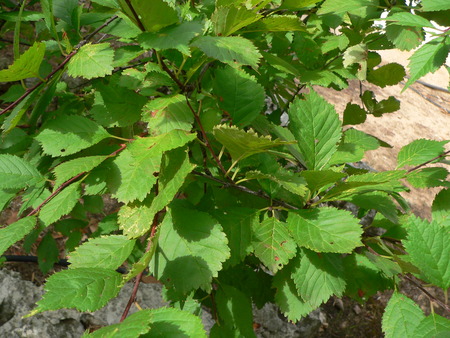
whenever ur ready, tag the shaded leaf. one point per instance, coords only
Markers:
(15, 172)
(387, 75)
(440, 209)
(428, 177)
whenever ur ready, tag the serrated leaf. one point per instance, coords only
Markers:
(115, 105)
(233, 50)
(171, 322)
(387, 75)
(354, 114)
(92, 61)
(440, 209)
(276, 23)
(325, 230)
(319, 180)
(427, 59)
(15, 232)
(85, 289)
(173, 37)
(135, 166)
(428, 246)
(381, 181)
(435, 5)
(239, 95)
(419, 151)
(361, 139)
(378, 201)
(191, 249)
(27, 65)
(292, 183)
(347, 153)
(318, 277)
(429, 177)
(136, 219)
(401, 316)
(15, 172)
(408, 19)
(405, 38)
(287, 297)
(134, 325)
(273, 243)
(237, 224)
(107, 252)
(153, 15)
(235, 309)
(317, 128)
(69, 169)
(165, 114)
(229, 19)
(68, 134)
(433, 326)
(342, 6)
(48, 253)
(61, 204)
(242, 144)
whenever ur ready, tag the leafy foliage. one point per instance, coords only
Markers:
(230, 176)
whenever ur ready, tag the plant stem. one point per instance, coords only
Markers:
(433, 298)
(425, 163)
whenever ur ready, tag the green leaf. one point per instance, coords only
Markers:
(173, 37)
(357, 54)
(341, 6)
(292, 183)
(405, 38)
(107, 252)
(378, 201)
(61, 204)
(135, 166)
(48, 253)
(325, 230)
(237, 224)
(235, 309)
(242, 144)
(361, 139)
(15, 232)
(419, 151)
(427, 59)
(317, 128)
(153, 15)
(85, 289)
(298, 4)
(354, 114)
(135, 325)
(287, 297)
(428, 177)
(434, 5)
(276, 23)
(229, 19)
(440, 209)
(428, 246)
(433, 326)
(92, 61)
(165, 114)
(69, 169)
(15, 172)
(319, 180)
(68, 134)
(191, 249)
(408, 19)
(347, 153)
(239, 95)
(115, 105)
(27, 65)
(387, 75)
(401, 317)
(233, 50)
(388, 105)
(273, 243)
(136, 219)
(318, 277)
(170, 322)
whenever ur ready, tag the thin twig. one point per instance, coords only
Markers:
(242, 188)
(425, 163)
(59, 67)
(433, 298)
(139, 276)
(172, 75)
(136, 16)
